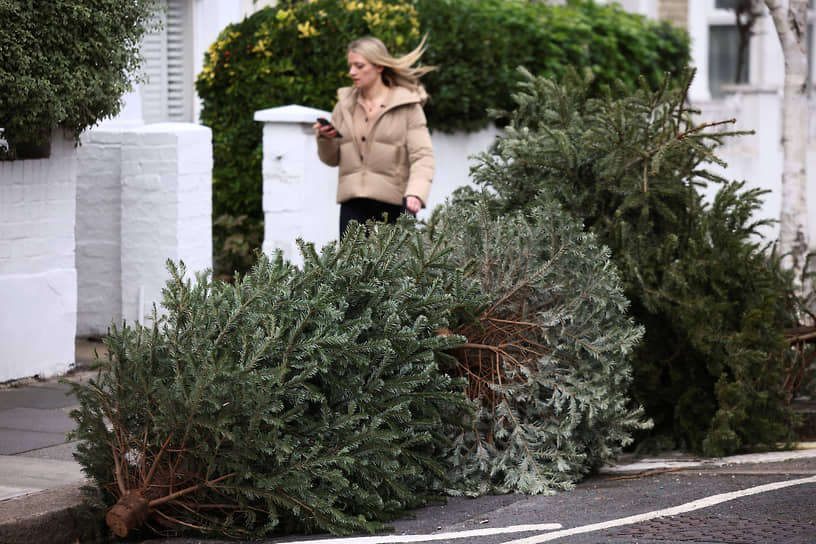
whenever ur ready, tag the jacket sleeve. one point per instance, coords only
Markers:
(328, 149)
(420, 156)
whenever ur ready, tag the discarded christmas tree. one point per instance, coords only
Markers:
(547, 360)
(712, 298)
(334, 397)
(294, 400)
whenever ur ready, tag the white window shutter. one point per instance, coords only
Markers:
(168, 93)
(154, 51)
(179, 61)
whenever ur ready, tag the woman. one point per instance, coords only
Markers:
(379, 138)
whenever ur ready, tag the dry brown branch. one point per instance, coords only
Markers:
(177, 494)
(800, 340)
(179, 522)
(149, 478)
(117, 469)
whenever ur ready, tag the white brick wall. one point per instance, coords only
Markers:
(98, 230)
(166, 204)
(38, 280)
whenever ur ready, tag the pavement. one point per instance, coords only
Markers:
(39, 479)
(41, 501)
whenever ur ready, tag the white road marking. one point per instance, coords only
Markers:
(673, 511)
(387, 539)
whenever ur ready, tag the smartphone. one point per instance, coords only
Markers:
(325, 122)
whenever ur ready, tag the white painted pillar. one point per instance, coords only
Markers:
(298, 190)
(98, 230)
(38, 279)
(166, 209)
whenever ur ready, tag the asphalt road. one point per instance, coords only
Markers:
(743, 503)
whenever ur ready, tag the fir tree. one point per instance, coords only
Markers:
(293, 400)
(713, 300)
(546, 360)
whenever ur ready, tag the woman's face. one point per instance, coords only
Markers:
(363, 73)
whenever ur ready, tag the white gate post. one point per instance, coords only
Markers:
(298, 190)
(166, 209)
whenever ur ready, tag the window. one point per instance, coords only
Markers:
(726, 67)
(724, 64)
(729, 49)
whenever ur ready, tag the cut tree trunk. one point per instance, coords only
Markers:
(129, 513)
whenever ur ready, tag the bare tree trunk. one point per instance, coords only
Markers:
(791, 27)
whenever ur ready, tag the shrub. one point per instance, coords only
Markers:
(478, 44)
(65, 64)
(714, 302)
(295, 54)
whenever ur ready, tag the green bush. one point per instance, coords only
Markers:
(714, 302)
(65, 64)
(295, 54)
(478, 44)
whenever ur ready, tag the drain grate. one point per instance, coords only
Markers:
(721, 530)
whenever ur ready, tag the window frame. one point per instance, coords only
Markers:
(726, 17)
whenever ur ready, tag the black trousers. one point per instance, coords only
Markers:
(363, 209)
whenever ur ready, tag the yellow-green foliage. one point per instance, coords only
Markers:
(290, 54)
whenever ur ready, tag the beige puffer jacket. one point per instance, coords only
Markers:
(398, 159)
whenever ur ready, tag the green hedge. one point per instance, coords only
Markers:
(478, 44)
(295, 54)
(65, 64)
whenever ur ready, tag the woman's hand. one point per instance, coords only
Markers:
(325, 131)
(413, 204)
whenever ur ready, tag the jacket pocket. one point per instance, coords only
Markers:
(384, 159)
(350, 160)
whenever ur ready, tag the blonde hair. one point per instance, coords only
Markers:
(396, 70)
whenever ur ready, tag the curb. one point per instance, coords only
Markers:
(802, 450)
(46, 516)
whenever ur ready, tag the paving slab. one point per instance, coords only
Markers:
(46, 395)
(21, 475)
(35, 417)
